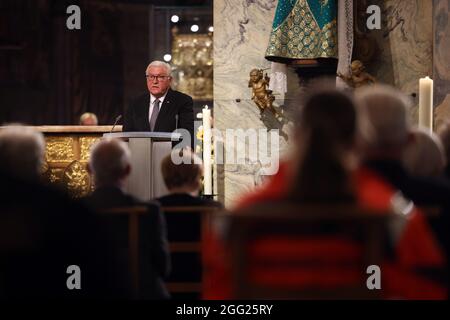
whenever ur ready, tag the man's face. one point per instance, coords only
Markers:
(156, 86)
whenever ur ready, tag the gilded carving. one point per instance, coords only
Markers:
(85, 147)
(358, 77)
(59, 149)
(77, 180)
(192, 58)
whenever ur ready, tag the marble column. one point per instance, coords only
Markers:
(441, 60)
(402, 51)
(241, 33)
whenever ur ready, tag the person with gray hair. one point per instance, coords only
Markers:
(425, 156)
(22, 151)
(42, 227)
(385, 134)
(109, 163)
(444, 137)
(161, 109)
(110, 166)
(384, 125)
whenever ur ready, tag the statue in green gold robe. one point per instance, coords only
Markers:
(303, 29)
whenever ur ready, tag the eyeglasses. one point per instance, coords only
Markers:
(153, 77)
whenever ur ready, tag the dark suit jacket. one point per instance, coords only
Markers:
(423, 191)
(175, 103)
(52, 233)
(154, 252)
(184, 199)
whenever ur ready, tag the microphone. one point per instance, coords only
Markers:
(115, 122)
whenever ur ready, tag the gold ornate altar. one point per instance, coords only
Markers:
(67, 154)
(193, 64)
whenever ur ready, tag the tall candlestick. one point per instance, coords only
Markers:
(426, 103)
(207, 151)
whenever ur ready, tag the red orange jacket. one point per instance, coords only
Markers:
(416, 247)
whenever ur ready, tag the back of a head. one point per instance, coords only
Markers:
(383, 117)
(22, 151)
(424, 156)
(444, 137)
(325, 134)
(109, 161)
(181, 169)
(328, 112)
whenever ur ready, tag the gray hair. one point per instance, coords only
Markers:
(425, 155)
(158, 63)
(108, 161)
(22, 151)
(88, 115)
(383, 116)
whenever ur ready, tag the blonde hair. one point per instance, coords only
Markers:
(108, 161)
(187, 173)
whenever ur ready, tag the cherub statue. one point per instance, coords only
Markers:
(261, 95)
(358, 77)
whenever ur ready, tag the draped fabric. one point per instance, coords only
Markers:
(346, 40)
(303, 29)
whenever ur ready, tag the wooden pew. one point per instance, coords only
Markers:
(247, 228)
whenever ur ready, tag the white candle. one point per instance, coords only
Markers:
(207, 151)
(426, 103)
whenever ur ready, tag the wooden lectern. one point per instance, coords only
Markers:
(147, 151)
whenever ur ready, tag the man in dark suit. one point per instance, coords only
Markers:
(110, 165)
(42, 229)
(161, 109)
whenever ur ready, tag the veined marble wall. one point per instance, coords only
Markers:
(399, 54)
(402, 51)
(441, 61)
(241, 34)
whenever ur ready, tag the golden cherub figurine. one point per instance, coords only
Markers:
(358, 77)
(261, 95)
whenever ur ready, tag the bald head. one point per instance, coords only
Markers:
(109, 162)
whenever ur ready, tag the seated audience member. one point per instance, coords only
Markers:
(22, 152)
(385, 135)
(444, 137)
(323, 171)
(424, 156)
(184, 181)
(40, 229)
(109, 164)
(88, 119)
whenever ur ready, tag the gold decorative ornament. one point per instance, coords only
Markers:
(85, 147)
(77, 180)
(59, 149)
(358, 76)
(262, 97)
(192, 60)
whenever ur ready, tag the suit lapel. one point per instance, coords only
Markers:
(165, 111)
(146, 117)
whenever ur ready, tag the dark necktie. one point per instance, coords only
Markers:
(155, 113)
